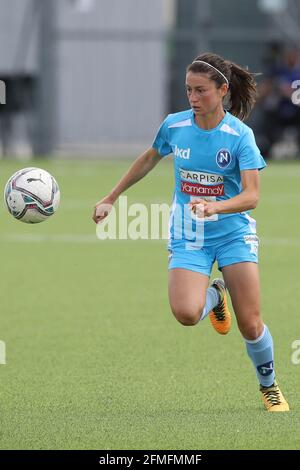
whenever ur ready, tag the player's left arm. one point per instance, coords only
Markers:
(246, 200)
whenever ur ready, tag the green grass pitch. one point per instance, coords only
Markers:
(94, 358)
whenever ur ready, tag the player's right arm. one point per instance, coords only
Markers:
(142, 165)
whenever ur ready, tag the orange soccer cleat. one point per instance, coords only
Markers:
(273, 398)
(220, 316)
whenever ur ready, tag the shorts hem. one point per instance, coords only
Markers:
(229, 263)
(195, 270)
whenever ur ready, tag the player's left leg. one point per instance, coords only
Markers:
(242, 281)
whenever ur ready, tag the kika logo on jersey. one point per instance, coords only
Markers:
(182, 153)
(223, 158)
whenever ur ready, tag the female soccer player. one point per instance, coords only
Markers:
(216, 163)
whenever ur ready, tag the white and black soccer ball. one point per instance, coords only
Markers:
(32, 195)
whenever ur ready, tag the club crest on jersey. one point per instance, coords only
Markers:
(223, 158)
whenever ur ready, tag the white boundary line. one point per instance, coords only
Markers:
(92, 238)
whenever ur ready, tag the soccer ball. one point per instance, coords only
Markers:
(32, 195)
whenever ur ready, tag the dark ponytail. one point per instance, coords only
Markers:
(242, 86)
(243, 91)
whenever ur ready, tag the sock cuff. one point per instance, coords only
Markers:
(254, 341)
(212, 299)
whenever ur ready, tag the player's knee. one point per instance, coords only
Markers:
(188, 320)
(252, 328)
(187, 316)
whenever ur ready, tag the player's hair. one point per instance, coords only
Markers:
(242, 85)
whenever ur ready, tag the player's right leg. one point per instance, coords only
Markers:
(189, 295)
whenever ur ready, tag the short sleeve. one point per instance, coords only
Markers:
(161, 143)
(248, 153)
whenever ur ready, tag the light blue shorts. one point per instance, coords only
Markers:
(238, 250)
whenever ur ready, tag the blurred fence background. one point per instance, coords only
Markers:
(96, 77)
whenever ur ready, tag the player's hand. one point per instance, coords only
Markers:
(202, 208)
(102, 209)
(197, 206)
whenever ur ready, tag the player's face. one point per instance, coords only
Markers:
(202, 93)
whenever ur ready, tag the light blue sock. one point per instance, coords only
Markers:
(261, 353)
(212, 299)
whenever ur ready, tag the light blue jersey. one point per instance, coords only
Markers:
(207, 164)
